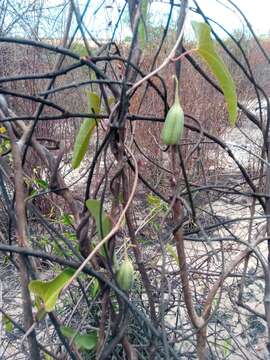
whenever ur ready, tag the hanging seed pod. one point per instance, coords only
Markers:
(174, 123)
(125, 276)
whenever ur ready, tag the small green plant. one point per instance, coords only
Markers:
(4, 144)
(94, 288)
(226, 347)
(171, 251)
(8, 325)
(79, 49)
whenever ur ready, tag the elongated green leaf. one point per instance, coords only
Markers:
(85, 132)
(87, 341)
(49, 291)
(207, 51)
(105, 224)
(142, 23)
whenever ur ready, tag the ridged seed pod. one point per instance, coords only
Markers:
(125, 275)
(174, 123)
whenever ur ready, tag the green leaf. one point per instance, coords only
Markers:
(49, 291)
(153, 201)
(67, 219)
(226, 347)
(104, 226)
(171, 251)
(94, 206)
(71, 236)
(142, 24)
(8, 324)
(94, 288)
(86, 341)
(33, 193)
(207, 51)
(42, 183)
(85, 132)
(41, 314)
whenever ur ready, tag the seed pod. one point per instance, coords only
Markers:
(124, 275)
(174, 123)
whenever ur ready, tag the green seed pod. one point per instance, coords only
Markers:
(124, 275)
(174, 123)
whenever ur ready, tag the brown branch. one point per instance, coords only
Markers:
(21, 235)
(179, 242)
